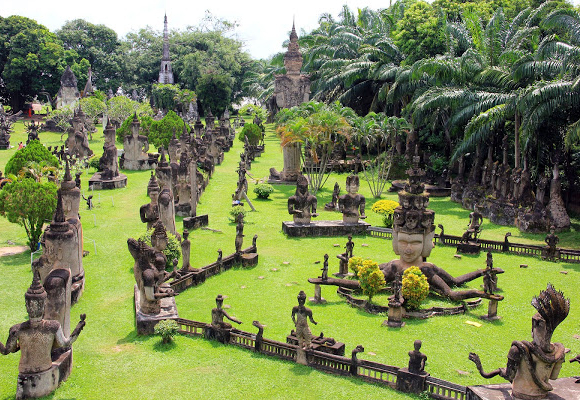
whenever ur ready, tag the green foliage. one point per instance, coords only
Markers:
(33, 152)
(121, 107)
(263, 190)
(253, 110)
(354, 264)
(161, 131)
(164, 95)
(371, 278)
(61, 117)
(214, 90)
(166, 329)
(172, 251)
(415, 288)
(29, 204)
(235, 211)
(252, 132)
(93, 107)
(386, 208)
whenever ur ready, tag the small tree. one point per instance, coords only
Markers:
(354, 264)
(34, 152)
(371, 278)
(28, 203)
(161, 131)
(415, 288)
(386, 208)
(166, 329)
(252, 132)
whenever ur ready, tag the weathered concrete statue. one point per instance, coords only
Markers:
(352, 204)
(135, 149)
(300, 316)
(531, 365)
(302, 205)
(39, 341)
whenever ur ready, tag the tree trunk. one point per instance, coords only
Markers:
(517, 140)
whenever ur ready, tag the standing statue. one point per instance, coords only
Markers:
(333, 205)
(489, 277)
(352, 204)
(150, 212)
(474, 227)
(302, 205)
(300, 316)
(349, 247)
(239, 233)
(36, 339)
(185, 251)
(325, 268)
(531, 365)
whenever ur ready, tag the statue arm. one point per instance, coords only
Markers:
(63, 341)
(507, 373)
(237, 321)
(12, 345)
(294, 315)
(311, 319)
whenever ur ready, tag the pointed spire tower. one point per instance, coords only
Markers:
(165, 71)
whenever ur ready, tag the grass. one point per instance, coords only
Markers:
(110, 358)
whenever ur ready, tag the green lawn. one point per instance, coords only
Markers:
(111, 360)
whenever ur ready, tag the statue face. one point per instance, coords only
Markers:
(302, 189)
(352, 188)
(410, 247)
(412, 220)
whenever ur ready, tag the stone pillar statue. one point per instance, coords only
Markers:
(302, 205)
(135, 148)
(185, 251)
(150, 212)
(352, 204)
(531, 365)
(300, 316)
(36, 338)
(166, 202)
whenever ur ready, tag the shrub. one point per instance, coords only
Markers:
(125, 129)
(161, 131)
(61, 117)
(252, 132)
(33, 152)
(166, 329)
(371, 278)
(172, 251)
(386, 208)
(263, 190)
(354, 264)
(235, 211)
(415, 288)
(28, 203)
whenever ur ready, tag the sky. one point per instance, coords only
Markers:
(263, 25)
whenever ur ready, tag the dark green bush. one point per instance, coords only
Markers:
(166, 329)
(125, 128)
(263, 190)
(161, 131)
(252, 132)
(33, 152)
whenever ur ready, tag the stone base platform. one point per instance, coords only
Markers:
(469, 248)
(141, 165)
(146, 322)
(98, 183)
(564, 388)
(183, 210)
(198, 221)
(43, 383)
(274, 181)
(324, 228)
(249, 259)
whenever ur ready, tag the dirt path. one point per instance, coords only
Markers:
(12, 250)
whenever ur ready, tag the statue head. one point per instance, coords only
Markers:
(352, 184)
(301, 298)
(159, 237)
(185, 234)
(552, 308)
(410, 247)
(301, 185)
(35, 298)
(417, 345)
(219, 300)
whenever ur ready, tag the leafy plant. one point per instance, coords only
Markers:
(172, 251)
(61, 117)
(371, 278)
(415, 288)
(386, 208)
(235, 211)
(167, 329)
(354, 264)
(161, 131)
(252, 132)
(28, 203)
(263, 190)
(33, 152)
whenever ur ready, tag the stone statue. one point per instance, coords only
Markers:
(552, 241)
(474, 227)
(352, 204)
(325, 268)
(78, 142)
(531, 365)
(300, 316)
(36, 339)
(239, 233)
(218, 314)
(417, 359)
(150, 212)
(349, 247)
(185, 251)
(333, 205)
(489, 277)
(302, 205)
(135, 148)
(413, 233)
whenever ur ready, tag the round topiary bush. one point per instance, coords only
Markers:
(166, 329)
(172, 251)
(354, 264)
(263, 190)
(386, 208)
(33, 152)
(415, 288)
(235, 211)
(252, 132)
(371, 278)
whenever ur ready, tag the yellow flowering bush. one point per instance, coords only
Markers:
(371, 278)
(386, 208)
(354, 263)
(415, 288)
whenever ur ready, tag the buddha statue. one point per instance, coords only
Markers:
(352, 204)
(302, 205)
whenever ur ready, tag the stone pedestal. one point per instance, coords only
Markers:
(491, 311)
(183, 210)
(214, 333)
(198, 221)
(44, 383)
(469, 248)
(395, 313)
(324, 228)
(100, 183)
(249, 259)
(317, 299)
(564, 388)
(301, 356)
(409, 382)
(291, 154)
(141, 165)
(146, 322)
